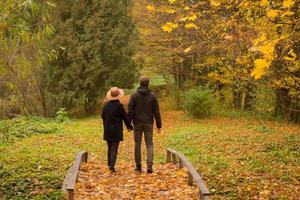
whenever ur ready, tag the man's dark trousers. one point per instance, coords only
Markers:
(147, 130)
(112, 153)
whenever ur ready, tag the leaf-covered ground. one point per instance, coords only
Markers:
(237, 158)
(243, 159)
(96, 182)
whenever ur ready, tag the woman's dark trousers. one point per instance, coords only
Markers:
(112, 153)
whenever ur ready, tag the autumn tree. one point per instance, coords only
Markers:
(24, 33)
(232, 43)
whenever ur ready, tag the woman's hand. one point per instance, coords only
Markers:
(129, 129)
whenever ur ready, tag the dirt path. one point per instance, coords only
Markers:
(126, 149)
(96, 182)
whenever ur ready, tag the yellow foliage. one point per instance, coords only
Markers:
(291, 56)
(288, 13)
(187, 50)
(172, 1)
(169, 27)
(268, 50)
(264, 3)
(295, 68)
(186, 8)
(260, 67)
(189, 18)
(288, 3)
(272, 14)
(212, 75)
(215, 2)
(169, 10)
(262, 38)
(190, 26)
(242, 60)
(150, 8)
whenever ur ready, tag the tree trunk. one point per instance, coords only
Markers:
(243, 94)
(286, 106)
(43, 101)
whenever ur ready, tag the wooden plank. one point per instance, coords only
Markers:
(81, 156)
(72, 175)
(64, 187)
(193, 175)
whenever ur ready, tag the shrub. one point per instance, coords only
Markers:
(197, 102)
(23, 127)
(62, 115)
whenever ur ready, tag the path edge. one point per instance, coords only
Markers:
(72, 175)
(193, 175)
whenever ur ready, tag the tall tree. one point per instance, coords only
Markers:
(95, 44)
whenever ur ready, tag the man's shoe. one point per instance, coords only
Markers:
(149, 171)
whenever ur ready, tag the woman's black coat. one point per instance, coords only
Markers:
(113, 115)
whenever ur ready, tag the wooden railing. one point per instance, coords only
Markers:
(172, 156)
(72, 175)
(193, 176)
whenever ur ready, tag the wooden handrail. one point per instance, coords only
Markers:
(72, 175)
(193, 175)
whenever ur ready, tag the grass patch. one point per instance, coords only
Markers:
(34, 167)
(22, 127)
(241, 159)
(237, 158)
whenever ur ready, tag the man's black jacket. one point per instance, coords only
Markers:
(143, 107)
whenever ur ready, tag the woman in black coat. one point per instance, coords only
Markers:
(113, 115)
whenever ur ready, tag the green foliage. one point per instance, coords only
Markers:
(34, 167)
(62, 115)
(25, 31)
(265, 99)
(95, 41)
(197, 102)
(22, 127)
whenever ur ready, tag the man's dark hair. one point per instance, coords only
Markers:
(144, 81)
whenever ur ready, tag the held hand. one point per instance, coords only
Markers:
(129, 130)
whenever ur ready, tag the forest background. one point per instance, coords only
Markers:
(66, 54)
(232, 63)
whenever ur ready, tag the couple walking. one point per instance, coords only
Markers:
(143, 108)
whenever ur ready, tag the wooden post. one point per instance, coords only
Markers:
(190, 179)
(70, 194)
(168, 158)
(193, 175)
(85, 158)
(204, 197)
(180, 164)
(174, 160)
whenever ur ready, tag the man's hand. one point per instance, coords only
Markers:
(158, 130)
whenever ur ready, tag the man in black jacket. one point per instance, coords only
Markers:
(143, 107)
